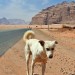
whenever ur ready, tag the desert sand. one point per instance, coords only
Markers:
(63, 62)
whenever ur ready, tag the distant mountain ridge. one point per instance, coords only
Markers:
(11, 21)
(60, 13)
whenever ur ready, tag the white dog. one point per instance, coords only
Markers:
(40, 50)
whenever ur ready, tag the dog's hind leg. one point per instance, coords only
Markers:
(32, 67)
(27, 55)
(43, 68)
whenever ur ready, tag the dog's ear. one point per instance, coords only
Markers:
(56, 42)
(42, 42)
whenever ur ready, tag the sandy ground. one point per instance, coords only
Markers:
(63, 62)
(6, 27)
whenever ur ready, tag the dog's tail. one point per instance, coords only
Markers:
(28, 35)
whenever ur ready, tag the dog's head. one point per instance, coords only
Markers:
(49, 47)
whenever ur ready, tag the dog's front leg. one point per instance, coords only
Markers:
(43, 68)
(32, 67)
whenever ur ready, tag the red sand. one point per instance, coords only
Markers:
(63, 63)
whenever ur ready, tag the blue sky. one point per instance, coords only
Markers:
(24, 9)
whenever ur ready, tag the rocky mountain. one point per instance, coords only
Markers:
(11, 21)
(16, 21)
(60, 13)
(4, 21)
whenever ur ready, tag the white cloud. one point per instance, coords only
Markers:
(15, 10)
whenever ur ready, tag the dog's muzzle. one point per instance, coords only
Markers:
(51, 56)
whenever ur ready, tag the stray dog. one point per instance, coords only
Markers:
(39, 49)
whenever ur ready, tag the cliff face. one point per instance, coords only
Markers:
(60, 13)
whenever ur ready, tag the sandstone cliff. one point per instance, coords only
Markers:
(60, 13)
